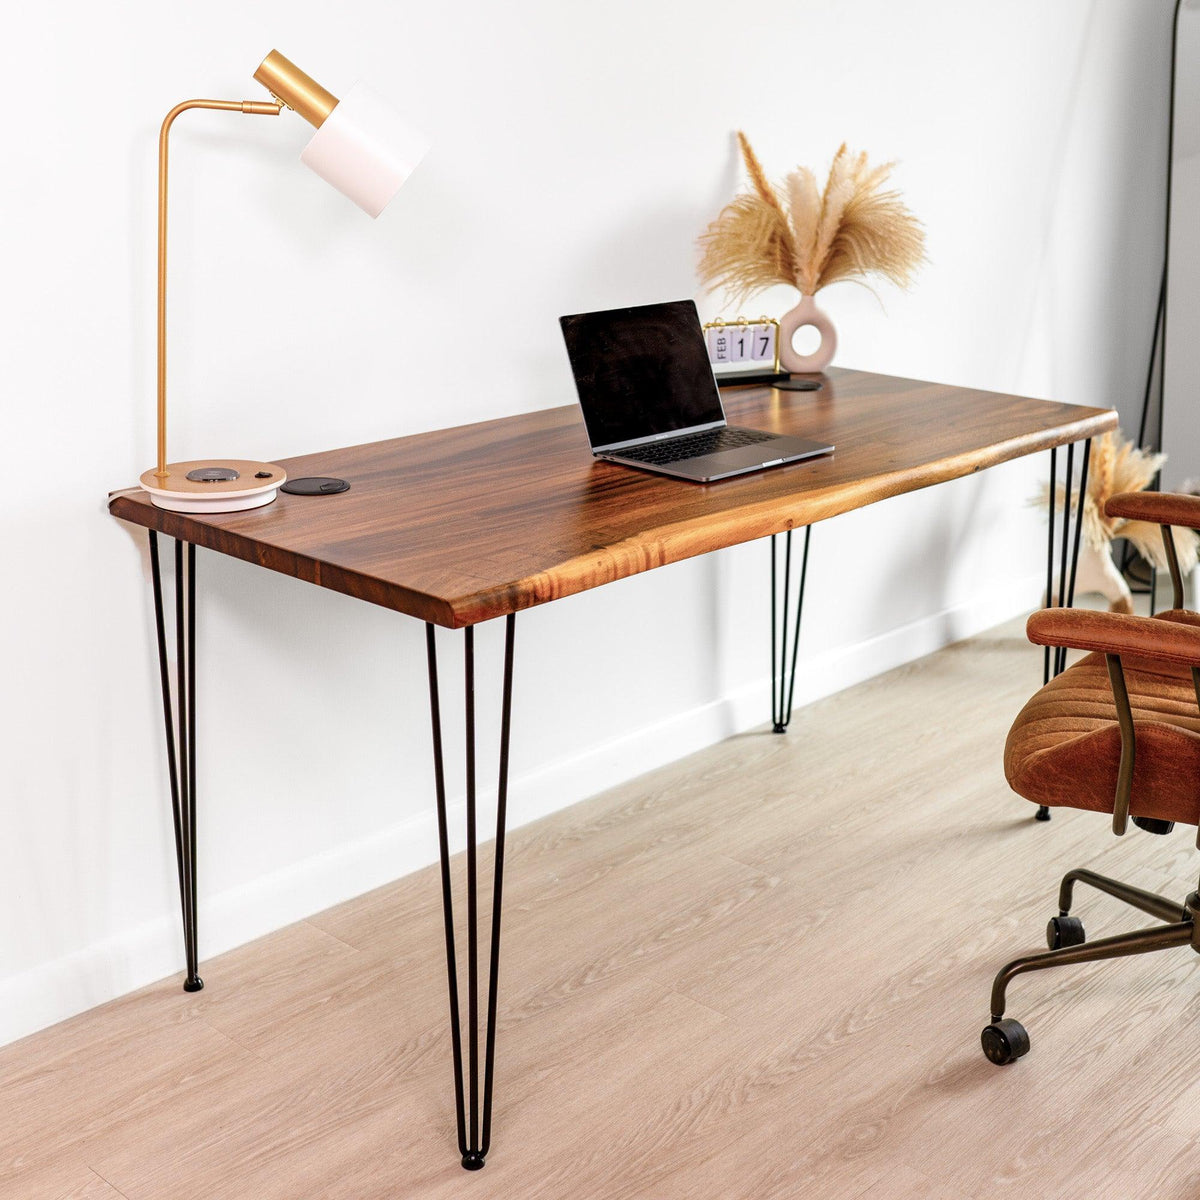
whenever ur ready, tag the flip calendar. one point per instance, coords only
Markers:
(743, 344)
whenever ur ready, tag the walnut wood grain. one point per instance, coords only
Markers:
(462, 525)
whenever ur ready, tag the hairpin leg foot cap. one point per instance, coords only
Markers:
(193, 985)
(472, 1161)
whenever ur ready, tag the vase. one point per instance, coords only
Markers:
(1096, 572)
(806, 313)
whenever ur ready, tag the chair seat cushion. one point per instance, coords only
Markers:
(1065, 747)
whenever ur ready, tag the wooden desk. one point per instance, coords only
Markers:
(464, 525)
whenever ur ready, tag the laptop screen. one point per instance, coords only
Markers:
(641, 371)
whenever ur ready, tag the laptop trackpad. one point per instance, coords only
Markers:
(765, 454)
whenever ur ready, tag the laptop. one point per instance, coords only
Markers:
(650, 399)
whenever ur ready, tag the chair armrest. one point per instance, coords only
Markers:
(1116, 633)
(1159, 508)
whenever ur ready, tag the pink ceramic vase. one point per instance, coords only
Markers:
(806, 313)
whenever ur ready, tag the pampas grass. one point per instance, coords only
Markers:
(851, 229)
(1116, 466)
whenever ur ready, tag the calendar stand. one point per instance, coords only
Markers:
(750, 378)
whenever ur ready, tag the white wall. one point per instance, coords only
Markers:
(579, 149)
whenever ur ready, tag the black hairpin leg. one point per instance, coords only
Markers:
(783, 669)
(474, 1138)
(1055, 661)
(180, 726)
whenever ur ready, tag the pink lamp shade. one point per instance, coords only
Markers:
(365, 149)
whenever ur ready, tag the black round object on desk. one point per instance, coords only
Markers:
(798, 385)
(315, 485)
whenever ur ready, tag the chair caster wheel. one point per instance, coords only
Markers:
(1004, 1041)
(1064, 931)
(1150, 825)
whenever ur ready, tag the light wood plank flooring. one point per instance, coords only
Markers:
(760, 972)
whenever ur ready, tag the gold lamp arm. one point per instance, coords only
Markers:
(254, 107)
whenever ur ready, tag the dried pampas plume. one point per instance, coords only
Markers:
(1118, 466)
(851, 229)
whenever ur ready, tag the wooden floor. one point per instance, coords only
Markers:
(760, 972)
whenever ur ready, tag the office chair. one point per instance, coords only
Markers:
(1119, 732)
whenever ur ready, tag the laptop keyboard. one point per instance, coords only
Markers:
(693, 445)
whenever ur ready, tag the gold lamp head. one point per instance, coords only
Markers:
(362, 146)
(292, 87)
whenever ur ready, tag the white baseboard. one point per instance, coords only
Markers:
(58, 989)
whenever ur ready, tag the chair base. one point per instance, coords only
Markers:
(1005, 1040)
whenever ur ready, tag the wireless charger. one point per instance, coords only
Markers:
(315, 485)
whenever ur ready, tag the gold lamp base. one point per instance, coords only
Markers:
(215, 485)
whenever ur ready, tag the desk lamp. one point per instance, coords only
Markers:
(362, 147)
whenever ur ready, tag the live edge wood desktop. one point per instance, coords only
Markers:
(466, 525)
